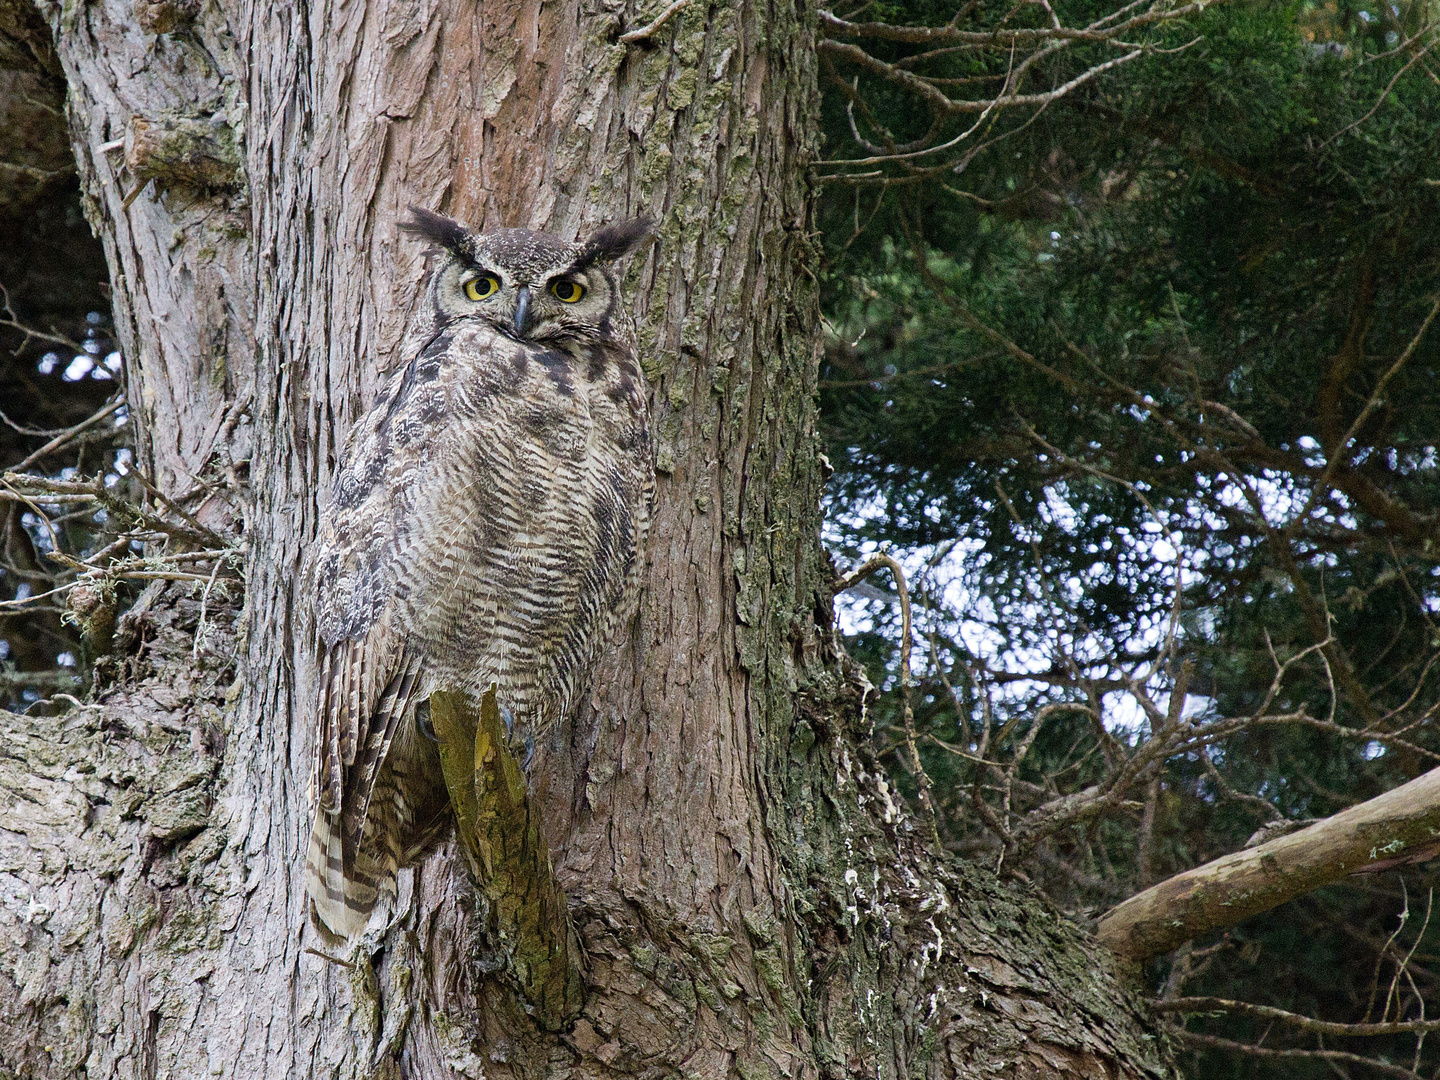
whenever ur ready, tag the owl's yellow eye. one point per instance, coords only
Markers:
(568, 291)
(481, 287)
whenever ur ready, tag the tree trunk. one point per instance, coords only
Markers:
(750, 897)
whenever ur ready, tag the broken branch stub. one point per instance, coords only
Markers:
(189, 151)
(509, 859)
(1370, 836)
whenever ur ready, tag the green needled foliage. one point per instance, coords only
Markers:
(1177, 323)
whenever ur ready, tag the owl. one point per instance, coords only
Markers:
(485, 526)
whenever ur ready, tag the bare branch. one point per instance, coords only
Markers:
(1244, 883)
(938, 100)
(1305, 1023)
(1383, 95)
(70, 432)
(852, 579)
(1194, 1038)
(11, 320)
(937, 35)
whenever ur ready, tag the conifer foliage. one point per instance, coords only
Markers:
(1140, 385)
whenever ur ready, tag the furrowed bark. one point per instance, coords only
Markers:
(1371, 836)
(749, 896)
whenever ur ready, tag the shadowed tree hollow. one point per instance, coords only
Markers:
(748, 896)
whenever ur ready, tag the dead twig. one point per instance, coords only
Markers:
(922, 781)
(11, 320)
(647, 31)
(70, 433)
(1296, 1020)
(1195, 1038)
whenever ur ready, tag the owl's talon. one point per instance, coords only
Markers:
(422, 721)
(509, 718)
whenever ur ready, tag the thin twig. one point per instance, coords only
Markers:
(1381, 99)
(649, 29)
(1195, 1038)
(1372, 403)
(1305, 1023)
(38, 596)
(219, 540)
(11, 320)
(204, 603)
(922, 781)
(69, 433)
(931, 35)
(68, 491)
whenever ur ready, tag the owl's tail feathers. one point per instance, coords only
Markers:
(344, 889)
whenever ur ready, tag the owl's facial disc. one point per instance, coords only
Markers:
(529, 301)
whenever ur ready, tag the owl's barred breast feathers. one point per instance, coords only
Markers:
(485, 525)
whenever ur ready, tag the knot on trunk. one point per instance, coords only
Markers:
(185, 151)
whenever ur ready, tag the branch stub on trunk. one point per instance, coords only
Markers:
(509, 858)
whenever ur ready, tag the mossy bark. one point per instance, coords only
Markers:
(750, 897)
(522, 910)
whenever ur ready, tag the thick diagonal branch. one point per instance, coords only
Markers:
(1401, 823)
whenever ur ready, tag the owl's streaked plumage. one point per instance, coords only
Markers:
(485, 526)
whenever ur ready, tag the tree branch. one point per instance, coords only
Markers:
(1245, 883)
(1195, 1038)
(922, 781)
(1305, 1023)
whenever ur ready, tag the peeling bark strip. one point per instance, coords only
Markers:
(1372, 835)
(526, 922)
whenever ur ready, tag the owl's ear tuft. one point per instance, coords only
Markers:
(610, 242)
(438, 229)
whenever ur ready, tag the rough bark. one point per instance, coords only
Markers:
(749, 896)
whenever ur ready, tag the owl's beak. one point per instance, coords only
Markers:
(523, 322)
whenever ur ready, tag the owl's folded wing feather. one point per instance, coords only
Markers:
(367, 691)
(368, 678)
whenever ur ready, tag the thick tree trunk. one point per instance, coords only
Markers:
(749, 896)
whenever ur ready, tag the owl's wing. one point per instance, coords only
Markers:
(352, 856)
(368, 674)
(361, 704)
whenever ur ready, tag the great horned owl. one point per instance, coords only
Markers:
(485, 526)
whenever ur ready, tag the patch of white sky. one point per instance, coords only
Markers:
(948, 603)
(89, 361)
(86, 364)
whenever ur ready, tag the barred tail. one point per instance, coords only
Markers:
(343, 889)
(347, 874)
(354, 846)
